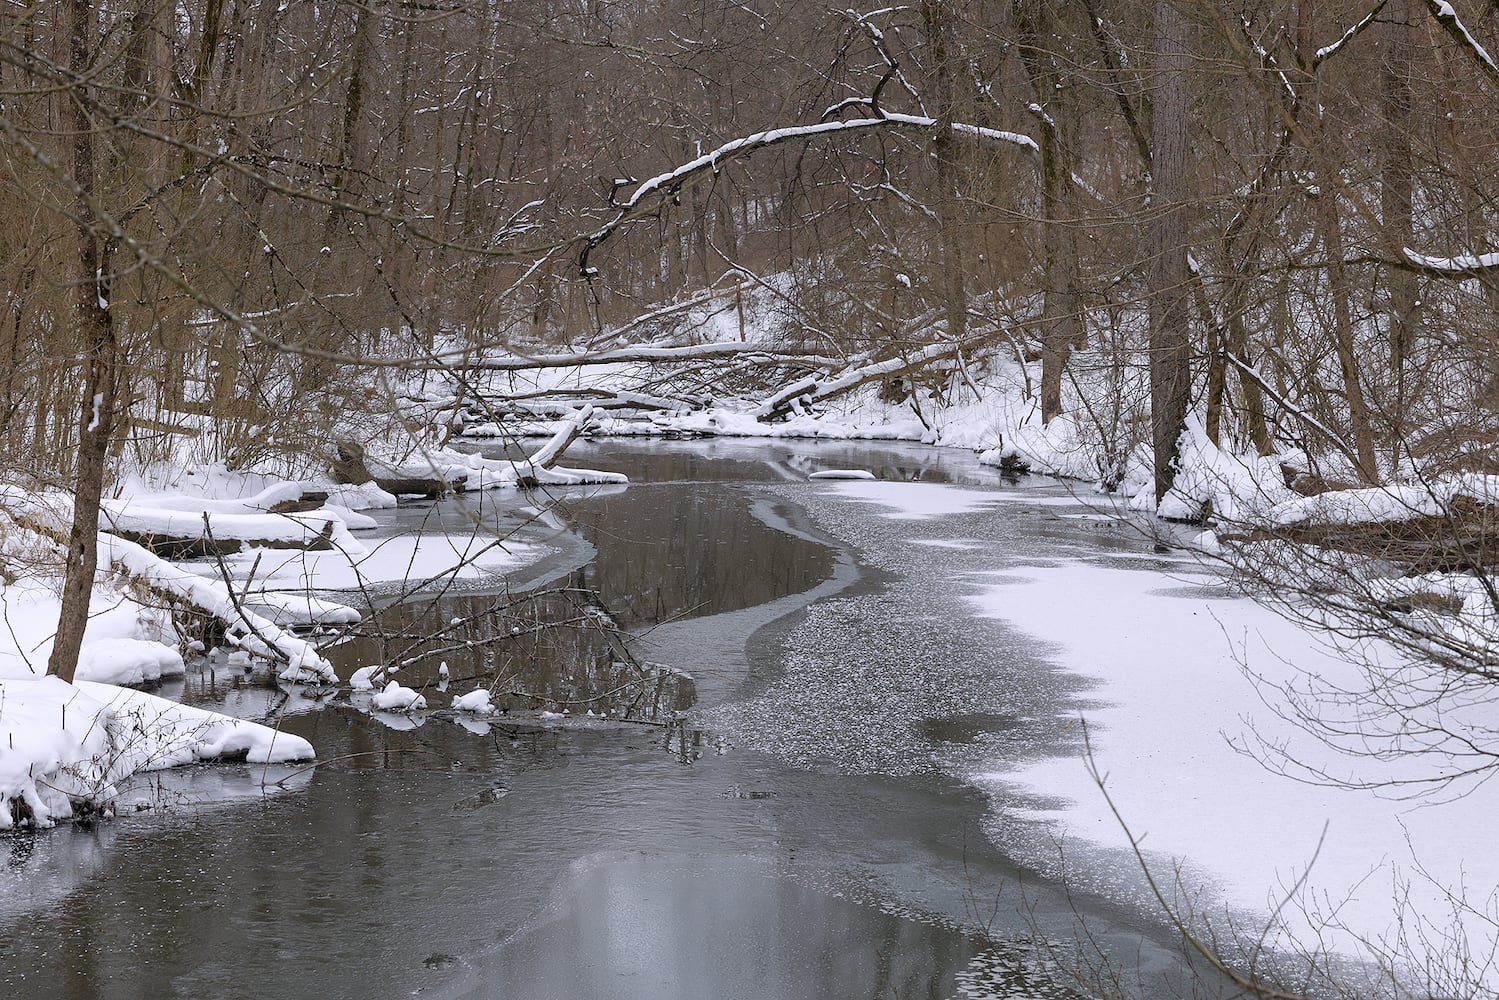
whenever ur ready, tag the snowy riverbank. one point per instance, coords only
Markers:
(1188, 681)
(272, 579)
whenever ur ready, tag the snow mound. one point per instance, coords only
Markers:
(842, 474)
(364, 678)
(396, 698)
(128, 661)
(477, 702)
(65, 745)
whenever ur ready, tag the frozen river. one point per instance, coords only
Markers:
(808, 824)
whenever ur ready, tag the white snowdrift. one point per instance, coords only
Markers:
(62, 744)
(476, 702)
(397, 698)
(128, 661)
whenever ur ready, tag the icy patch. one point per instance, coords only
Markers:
(915, 501)
(961, 544)
(1175, 707)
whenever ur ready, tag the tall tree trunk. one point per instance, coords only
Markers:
(93, 264)
(1396, 215)
(1342, 331)
(938, 17)
(1061, 321)
(1170, 355)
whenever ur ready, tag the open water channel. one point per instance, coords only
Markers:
(780, 812)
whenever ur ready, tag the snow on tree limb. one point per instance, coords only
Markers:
(1461, 266)
(1328, 51)
(1446, 16)
(669, 183)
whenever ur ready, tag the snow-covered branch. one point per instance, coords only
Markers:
(1446, 16)
(1328, 51)
(666, 185)
(1461, 266)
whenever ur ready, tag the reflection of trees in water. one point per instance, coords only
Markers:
(662, 552)
(690, 551)
(553, 649)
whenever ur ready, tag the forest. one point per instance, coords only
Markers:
(1235, 261)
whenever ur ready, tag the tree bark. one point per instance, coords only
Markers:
(1061, 321)
(1396, 188)
(93, 263)
(1342, 331)
(1170, 357)
(938, 17)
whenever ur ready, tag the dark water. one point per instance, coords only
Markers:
(801, 831)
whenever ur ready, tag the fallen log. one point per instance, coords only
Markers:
(812, 389)
(178, 534)
(352, 468)
(45, 516)
(1464, 539)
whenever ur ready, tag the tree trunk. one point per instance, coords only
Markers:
(1342, 332)
(1396, 215)
(938, 18)
(1170, 357)
(94, 264)
(1061, 322)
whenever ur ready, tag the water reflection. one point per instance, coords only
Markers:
(507, 857)
(662, 552)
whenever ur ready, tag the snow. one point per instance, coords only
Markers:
(1173, 713)
(396, 698)
(364, 678)
(842, 474)
(1459, 264)
(923, 501)
(406, 559)
(63, 743)
(128, 661)
(476, 702)
(299, 609)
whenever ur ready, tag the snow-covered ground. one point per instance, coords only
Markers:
(64, 747)
(1186, 674)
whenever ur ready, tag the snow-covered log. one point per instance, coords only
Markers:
(180, 534)
(252, 632)
(693, 352)
(813, 390)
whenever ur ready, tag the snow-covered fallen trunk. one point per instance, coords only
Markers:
(226, 532)
(63, 746)
(811, 389)
(254, 633)
(1397, 502)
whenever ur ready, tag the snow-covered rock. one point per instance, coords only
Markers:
(476, 702)
(396, 698)
(365, 678)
